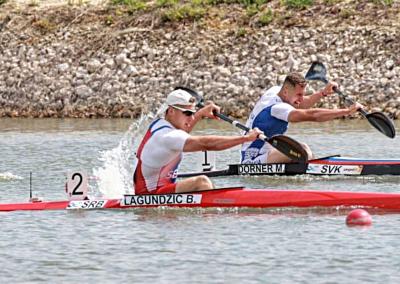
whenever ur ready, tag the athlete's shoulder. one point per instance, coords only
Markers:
(269, 98)
(160, 124)
(166, 131)
(271, 92)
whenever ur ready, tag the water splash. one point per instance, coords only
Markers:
(7, 176)
(114, 178)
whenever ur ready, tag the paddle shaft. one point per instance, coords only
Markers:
(286, 145)
(289, 147)
(360, 110)
(337, 91)
(238, 124)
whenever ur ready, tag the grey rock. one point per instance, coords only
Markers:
(63, 67)
(93, 65)
(83, 91)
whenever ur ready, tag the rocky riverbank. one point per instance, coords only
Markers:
(78, 61)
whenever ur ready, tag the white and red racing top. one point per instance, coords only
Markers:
(159, 155)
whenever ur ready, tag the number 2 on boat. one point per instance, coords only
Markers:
(77, 185)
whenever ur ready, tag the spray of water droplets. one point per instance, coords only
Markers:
(114, 177)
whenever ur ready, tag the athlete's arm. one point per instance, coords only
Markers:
(207, 111)
(217, 143)
(321, 114)
(311, 100)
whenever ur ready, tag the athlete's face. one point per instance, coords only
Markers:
(182, 117)
(295, 95)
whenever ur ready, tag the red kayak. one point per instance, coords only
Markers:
(227, 197)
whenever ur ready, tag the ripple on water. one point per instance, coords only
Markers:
(8, 176)
(221, 245)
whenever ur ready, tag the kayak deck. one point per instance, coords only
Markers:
(333, 165)
(235, 197)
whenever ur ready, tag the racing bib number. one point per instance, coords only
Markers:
(77, 185)
(204, 161)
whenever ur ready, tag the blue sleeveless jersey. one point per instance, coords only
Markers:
(270, 115)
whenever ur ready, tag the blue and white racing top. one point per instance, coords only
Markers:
(270, 114)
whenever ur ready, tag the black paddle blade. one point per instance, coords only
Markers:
(290, 147)
(193, 93)
(383, 123)
(317, 72)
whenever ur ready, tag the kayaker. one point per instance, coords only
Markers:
(283, 104)
(161, 149)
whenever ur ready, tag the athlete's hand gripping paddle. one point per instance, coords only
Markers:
(378, 120)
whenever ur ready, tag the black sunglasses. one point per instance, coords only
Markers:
(186, 112)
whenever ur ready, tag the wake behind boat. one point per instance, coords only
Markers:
(226, 197)
(333, 165)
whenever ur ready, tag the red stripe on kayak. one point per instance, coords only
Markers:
(261, 198)
(44, 205)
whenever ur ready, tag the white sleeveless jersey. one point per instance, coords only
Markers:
(159, 155)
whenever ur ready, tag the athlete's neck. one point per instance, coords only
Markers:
(282, 95)
(167, 118)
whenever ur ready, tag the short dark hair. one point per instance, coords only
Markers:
(294, 79)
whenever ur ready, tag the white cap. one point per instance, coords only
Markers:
(180, 97)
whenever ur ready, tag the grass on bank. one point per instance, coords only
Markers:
(176, 11)
(259, 11)
(244, 13)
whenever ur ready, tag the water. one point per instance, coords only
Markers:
(182, 245)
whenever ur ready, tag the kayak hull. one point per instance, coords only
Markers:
(232, 197)
(324, 166)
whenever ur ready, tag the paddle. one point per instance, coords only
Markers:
(378, 120)
(286, 145)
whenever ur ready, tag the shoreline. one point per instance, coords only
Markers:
(69, 62)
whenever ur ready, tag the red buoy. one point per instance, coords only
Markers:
(359, 217)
